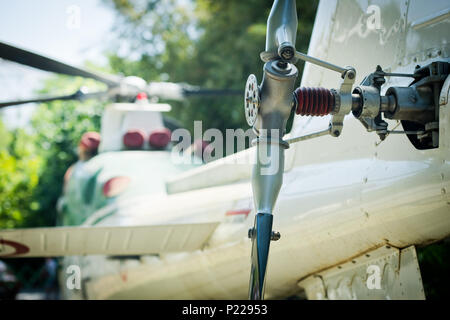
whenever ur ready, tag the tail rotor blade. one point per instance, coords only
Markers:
(261, 235)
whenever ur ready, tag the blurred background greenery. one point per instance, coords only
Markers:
(213, 44)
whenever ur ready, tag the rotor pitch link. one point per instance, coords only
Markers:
(309, 136)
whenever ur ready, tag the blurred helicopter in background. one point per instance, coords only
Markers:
(135, 123)
(355, 194)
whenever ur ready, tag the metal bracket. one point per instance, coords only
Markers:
(343, 104)
(369, 114)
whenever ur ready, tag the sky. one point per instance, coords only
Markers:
(72, 31)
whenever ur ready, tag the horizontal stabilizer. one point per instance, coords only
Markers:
(117, 240)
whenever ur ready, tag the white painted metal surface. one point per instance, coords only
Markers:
(122, 240)
(385, 273)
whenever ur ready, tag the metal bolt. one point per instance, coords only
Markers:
(275, 236)
(281, 64)
(287, 53)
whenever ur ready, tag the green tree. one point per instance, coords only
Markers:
(32, 165)
(434, 261)
(19, 176)
(213, 44)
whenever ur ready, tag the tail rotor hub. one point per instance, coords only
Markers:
(252, 100)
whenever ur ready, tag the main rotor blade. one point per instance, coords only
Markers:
(212, 92)
(38, 61)
(180, 91)
(79, 95)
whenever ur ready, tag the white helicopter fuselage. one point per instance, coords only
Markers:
(341, 197)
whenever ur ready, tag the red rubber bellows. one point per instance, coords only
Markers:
(314, 101)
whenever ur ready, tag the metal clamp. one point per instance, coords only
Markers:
(343, 104)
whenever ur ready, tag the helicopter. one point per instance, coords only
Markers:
(361, 179)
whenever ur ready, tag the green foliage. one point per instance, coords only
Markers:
(434, 261)
(32, 165)
(19, 176)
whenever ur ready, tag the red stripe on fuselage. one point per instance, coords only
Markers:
(20, 248)
(236, 212)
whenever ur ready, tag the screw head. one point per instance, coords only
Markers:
(287, 53)
(275, 236)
